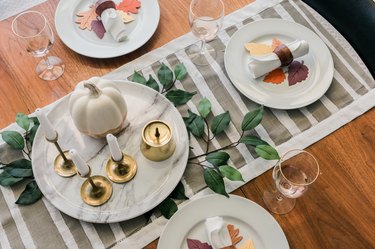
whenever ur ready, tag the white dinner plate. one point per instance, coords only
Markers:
(87, 43)
(153, 182)
(318, 60)
(251, 219)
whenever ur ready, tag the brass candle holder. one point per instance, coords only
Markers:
(121, 171)
(95, 190)
(62, 165)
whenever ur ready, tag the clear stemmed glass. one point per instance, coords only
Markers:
(36, 36)
(205, 17)
(293, 173)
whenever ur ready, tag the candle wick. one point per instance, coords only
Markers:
(157, 133)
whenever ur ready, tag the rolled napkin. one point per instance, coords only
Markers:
(282, 55)
(218, 233)
(112, 22)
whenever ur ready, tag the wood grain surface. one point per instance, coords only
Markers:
(336, 212)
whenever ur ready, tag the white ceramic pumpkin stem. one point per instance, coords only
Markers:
(94, 90)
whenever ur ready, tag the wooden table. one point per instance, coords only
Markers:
(337, 211)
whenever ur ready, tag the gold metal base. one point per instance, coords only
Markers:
(122, 171)
(64, 168)
(98, 193)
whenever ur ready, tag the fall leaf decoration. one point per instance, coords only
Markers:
(248, 244)
(196, 244)
(126, 18)
(98, 27)
(129, 6)
(258, 48)
(276, 76)
(85, 18)
(275, 43)
(297, 72)
(233, 232)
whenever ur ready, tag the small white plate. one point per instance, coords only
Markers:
(86, 42)
(252, 220)
(318, 60)
(153, 182)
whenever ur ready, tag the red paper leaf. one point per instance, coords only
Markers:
(98, 28)
(276, 76)
(297, 72)
(85, 18)
(196, 244)
(129, 6)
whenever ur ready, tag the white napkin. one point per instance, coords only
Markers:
(217, 232)
(260, 65)
(114, 25)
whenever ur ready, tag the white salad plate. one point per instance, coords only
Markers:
(87, 43)
(153, 182)
(282, 96)
(252, 220)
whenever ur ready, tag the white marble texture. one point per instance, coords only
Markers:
(154, 180)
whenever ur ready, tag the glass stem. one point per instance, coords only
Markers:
(48, 64)
(203, 46)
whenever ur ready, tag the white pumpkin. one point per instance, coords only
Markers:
(97, 107)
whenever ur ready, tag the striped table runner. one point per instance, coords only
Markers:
(350, 95)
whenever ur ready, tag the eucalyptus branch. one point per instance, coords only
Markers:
(164, 90)
(208, 136)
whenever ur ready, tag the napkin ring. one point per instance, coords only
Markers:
(284, 54)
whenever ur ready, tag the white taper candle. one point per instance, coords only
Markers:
(114, 147)
(45, 124)
(81, 165)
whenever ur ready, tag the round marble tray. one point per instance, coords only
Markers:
(153, 182)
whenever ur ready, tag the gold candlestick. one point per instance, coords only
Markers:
(95, 190)
(121, 171)
(62, 165)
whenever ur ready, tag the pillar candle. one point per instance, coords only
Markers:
(46, 125)
(114, 148)
(81, 165)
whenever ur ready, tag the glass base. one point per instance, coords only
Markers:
(277, 203)
(52, 71)
(199, 57)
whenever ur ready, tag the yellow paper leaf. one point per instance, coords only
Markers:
(275, 43)
(86, 17)
(248, 244)
(258, 48)
(126, 18)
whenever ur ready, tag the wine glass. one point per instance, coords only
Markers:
(36, 36)
(294, 172)
(205, 18)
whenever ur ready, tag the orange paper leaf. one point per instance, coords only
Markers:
(275, 43)
(258, 48)
(247, 245)
(126, 18)
(129, 6)
(86, 17)
(276, 76)
(233, 232)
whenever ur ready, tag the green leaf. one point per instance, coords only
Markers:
(168, 207)
(231, 173)
(152, 83)
(179, 192)
(180, 71)
(196, 127)
(30, 195)
(7, 180)
(35, 120)
(179, 97)
(190, 118)
(218, 158)
(252, 119)
(214, 181)
(204, 107)
(31, 135)
(220, 122)
(23, 121)
(252, 140)
(13, 139)
(137, 77)
(165, 76)
(267, 152)
(19, 168)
